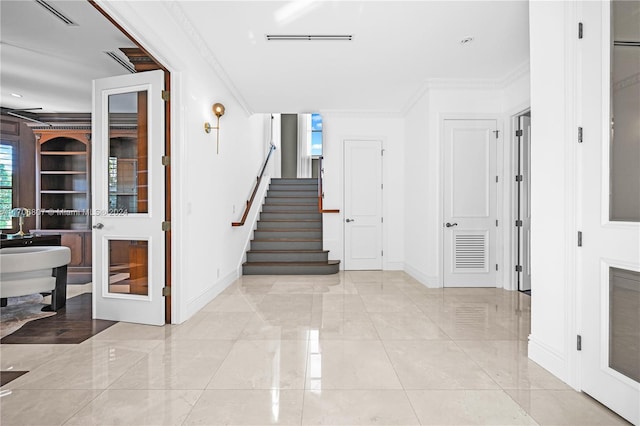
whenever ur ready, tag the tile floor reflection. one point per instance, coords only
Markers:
(356, 348)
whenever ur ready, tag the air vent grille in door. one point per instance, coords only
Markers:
(470, 252)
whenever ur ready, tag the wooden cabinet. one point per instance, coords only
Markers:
(63, 192)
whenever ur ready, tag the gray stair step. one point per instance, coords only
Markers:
(268, 234)
(290, 200)
(285, 223)
(293, 181)
(287, 255)
(297, 187)
(291, 268)
(287, 244)
(290, 207)
(292, 193)
(290, 215)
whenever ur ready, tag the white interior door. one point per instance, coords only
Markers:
(128, 198)
(470, 203)
(362, 205)
(524, 204)
(610, 207)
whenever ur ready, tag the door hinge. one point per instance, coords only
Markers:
(166, 291)
(519, 178)
(496, 266)
(382, 186)
(518, 133)
(579, 342)
(381, 252)
(166, 226)
(382, 152)
(579, 238)
(166, 160)
(496, 222)
(165, 95)
(579, 134)
(518, 223)
(497, 179)
(580, 30)
(382, 220)
(497, 133)
(518, 268)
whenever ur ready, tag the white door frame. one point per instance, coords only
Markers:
(441, 175)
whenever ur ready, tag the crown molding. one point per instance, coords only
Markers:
(180, 17)
(518, 72)
(361, 113)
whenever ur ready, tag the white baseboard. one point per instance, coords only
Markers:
(199, 302)
(424, 279)
(548, 358)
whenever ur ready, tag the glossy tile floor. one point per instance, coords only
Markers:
(355, 348)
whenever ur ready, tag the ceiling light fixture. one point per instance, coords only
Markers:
(55, 12)
(466, 40)
(16, 95)
(309, 37)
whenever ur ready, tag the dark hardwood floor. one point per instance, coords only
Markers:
(71, 324)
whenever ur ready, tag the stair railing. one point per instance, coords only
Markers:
(320, 190)
(255, 189)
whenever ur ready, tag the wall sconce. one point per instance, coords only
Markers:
(218, 110)
(20, 213)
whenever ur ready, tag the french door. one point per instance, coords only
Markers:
(610, 205)
(128, 196)
(469, 174)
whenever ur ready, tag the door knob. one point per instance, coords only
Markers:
(449, 225)
(350, 220)
(98, 226)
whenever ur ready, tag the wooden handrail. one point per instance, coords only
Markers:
(255, 189)
(320, 191)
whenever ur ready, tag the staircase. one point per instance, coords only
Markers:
(288, 240)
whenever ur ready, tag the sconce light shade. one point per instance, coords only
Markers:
(218, 109)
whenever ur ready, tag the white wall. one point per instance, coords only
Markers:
(553, 27)
(423, 236)
(338, 127)
(206, 187)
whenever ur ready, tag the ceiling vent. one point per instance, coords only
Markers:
(122, 62)
(55, 12)
(317, 37)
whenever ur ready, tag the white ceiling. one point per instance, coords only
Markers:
(397, 48)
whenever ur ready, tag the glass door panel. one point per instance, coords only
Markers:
(624, 322)
(129, 267)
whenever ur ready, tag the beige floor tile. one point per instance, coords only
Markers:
(277, 326)
(349, 364)
(377, 288)
(471, 321)
(286, 303)
(263, 364)
(435, 364)
(564, 407)
(29, 357)
(406, 326)
(129, 331)
(41, 407)
(287, 287)
(388, 303)
(507, 363)
(137, 407)
(238, 302)
(92, 365)
(214, 326)
(247, 407)
(338, 303)
(343, 326)
(177, 364)
(357, 407)
(467, 407)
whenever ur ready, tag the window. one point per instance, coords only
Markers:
(316, 135)
(7, 159)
